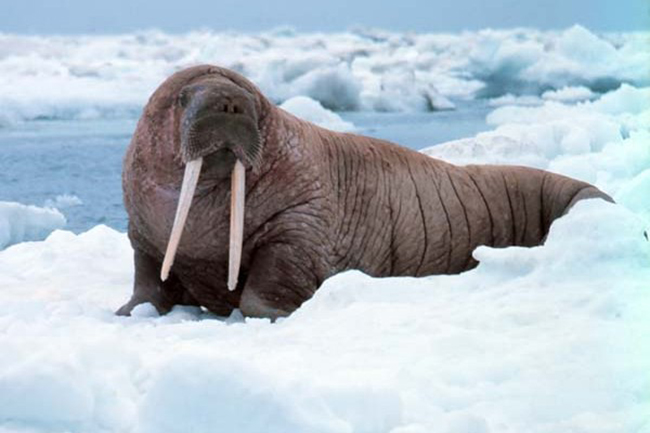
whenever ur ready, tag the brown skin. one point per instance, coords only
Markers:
(318, 202)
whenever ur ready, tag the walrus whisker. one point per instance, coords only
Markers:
(190, 179)
(237, 200)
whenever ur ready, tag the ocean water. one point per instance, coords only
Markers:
(43, 159)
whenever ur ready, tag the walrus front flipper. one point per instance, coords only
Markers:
(148, 287)
(278, 283)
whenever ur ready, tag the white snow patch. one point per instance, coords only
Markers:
(20, 223)
(488, 350)
(63, 201)
(569, 94)
(312, 111)
(510, 99)
(335, 88)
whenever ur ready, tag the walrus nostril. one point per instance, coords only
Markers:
(236, 109)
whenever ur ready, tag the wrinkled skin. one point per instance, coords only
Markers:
(317, 202)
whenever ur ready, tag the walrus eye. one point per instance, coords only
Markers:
(183, 98)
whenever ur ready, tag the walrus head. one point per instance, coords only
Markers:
(218, 132)
(219, 123)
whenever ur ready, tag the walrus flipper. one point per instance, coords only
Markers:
(586, 193)
(278, 282)
(148, 287)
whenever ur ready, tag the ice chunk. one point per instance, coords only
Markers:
(634, 194)
(51, 390)
(511, 99)
(20, 223)
(311, 110)
(569, 94)
(335, 88)
(625, 100)
(63, 201)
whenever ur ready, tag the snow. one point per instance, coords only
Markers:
(20, 223)
(63, 201)
(488, 350)
(510, 99)
(335, 88)
(569, 94)
(546, 339)
(86, 77)
(312, 111)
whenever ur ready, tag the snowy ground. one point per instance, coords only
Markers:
(544, 340)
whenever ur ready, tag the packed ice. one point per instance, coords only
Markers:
(554, 338)
(569, 94)
(312, 111)
(63, 201)
(21, 223)
(370, 70)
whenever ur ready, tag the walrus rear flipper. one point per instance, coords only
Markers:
(585, 194)
(562, 193)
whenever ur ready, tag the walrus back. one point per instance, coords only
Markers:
(404, 213)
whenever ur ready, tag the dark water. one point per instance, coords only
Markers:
(43, 159)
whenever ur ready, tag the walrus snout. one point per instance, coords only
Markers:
(219, 116)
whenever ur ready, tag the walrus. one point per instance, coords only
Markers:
(235, 203)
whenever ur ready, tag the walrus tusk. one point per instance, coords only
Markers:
(237, 199)
(190, 179)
